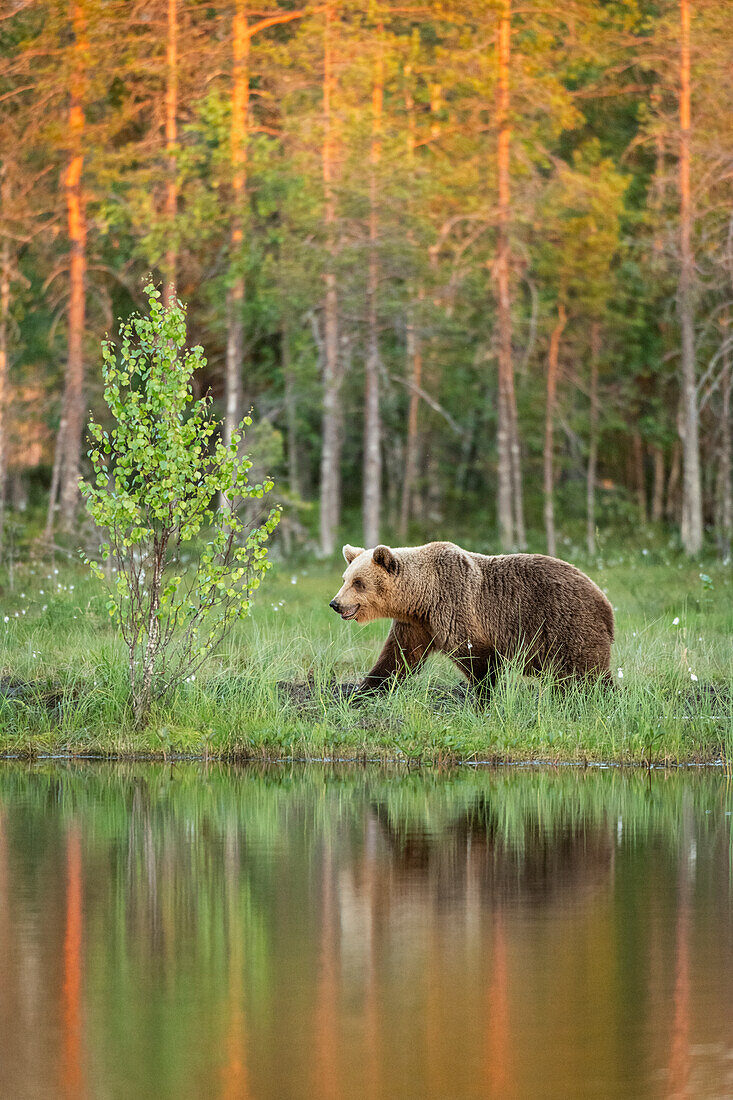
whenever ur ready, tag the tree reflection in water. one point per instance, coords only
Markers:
(300, 931)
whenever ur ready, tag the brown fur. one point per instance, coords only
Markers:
(477, 610)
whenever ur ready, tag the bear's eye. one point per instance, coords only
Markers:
(357, 584)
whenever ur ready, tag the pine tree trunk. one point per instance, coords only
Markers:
(637, 446)
(291, 411)
(413, 351)
(595, 349)
(414, 364)
(372, 418)
(238, 136)
(726, 459)
(171, 137)
(73, 399)
(692, 532)
(509, 480)
(658, 485)
(552, 369)
(330, 472)
(671, 510)
(4, 365)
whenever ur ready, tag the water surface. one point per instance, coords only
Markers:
(184, 931)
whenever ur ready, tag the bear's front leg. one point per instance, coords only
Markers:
(406, 647)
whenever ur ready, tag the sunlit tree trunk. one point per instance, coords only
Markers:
(330, 473)
(73, 399)
(171, 137)
(414, 361)
(726, 456)
(239, 132)
(552, 369)
(291, 410)
(691, 480)
(595, 349)
(413, 351)
(372, 487)
(509, 477)
(4, 318)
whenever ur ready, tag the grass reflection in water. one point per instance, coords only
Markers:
(292, 931)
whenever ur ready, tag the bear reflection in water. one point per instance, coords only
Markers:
(539, 866)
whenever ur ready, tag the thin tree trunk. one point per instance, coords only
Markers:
(414, 360)
(412, 344)
(291, 411)
(637, 446)
(330, 473)
(4, 315)
(691, 481)
(53, 493)
(658, 485)
(595, 348)
(239, 136)
(171, 137)
(372, 420)
(73, 400)
(673, 482)
(509, 478)
(726, 458)
(552, 366)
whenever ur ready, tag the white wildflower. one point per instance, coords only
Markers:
(676, 620)
(620, 674)
(693, 677)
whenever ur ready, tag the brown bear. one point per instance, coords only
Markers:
(478, 610)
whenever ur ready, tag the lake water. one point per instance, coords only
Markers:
(191, 931)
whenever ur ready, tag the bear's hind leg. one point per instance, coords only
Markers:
(481, 672)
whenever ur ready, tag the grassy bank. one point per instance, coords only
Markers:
(271, 692)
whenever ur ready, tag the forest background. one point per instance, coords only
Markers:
(471, 264)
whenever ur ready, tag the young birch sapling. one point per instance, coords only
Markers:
(166, 488)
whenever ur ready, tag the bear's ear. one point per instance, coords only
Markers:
(351, 552)
(383, 556)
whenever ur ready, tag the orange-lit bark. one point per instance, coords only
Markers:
(4, 317)
(171, 137)
(726, 456)
(595, 348)
(238, 137)
(691, 531)
(509, 477)
(413, 348)
(73, 400)
(549, 478)
(71, 1016)
(372, 487)
(242, 34)
(330, 472)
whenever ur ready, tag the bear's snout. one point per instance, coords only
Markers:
(336, 606)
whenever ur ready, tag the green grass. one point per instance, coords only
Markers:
(67, 654)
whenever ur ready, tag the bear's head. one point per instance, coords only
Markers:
(370, 584)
